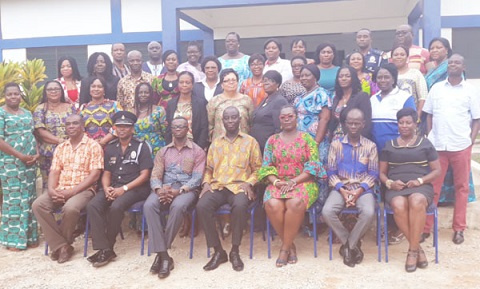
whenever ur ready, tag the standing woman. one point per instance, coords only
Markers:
(98, 113)
(193, 64)
(348, 95)
(313, 110)
(325, 60)
(440, 51)
(229, 97)
(193, 108)
(273, 48)
(265, 120)
(299, 48)
(18, 155)
(49, 119)
(165, 85)
(234, 58)
(253, 86)
(151, 120)
(99, 66)
(70, 79)
(410, 80)
(357, 61)
(293, 88)
(210, 86)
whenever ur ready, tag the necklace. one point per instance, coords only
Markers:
(407, 144)
(143, 110)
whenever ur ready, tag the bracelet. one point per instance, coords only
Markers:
(294, 183)
(420, 180)
(275, 182)
(388, 184)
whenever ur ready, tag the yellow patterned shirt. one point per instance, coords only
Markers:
(231, 163)
(126, 89)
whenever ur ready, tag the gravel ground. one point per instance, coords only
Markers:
(457, 267)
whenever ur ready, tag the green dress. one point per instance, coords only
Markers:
(18, 227)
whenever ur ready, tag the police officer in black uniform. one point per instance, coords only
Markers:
(373, 57)
(125, 181)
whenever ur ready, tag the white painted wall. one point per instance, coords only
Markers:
(460, 7)
(33, 18)
(107, 48)
(14, 55)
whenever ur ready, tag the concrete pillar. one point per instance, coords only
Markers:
(432, 20)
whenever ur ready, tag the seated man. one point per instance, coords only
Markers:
(76, 167)
(128, 163)
(352, 172)
(232, 164)
(176, 176)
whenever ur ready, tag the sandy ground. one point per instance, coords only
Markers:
(458, 267)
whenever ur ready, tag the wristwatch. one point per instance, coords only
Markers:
(125, 188)
(420, 180)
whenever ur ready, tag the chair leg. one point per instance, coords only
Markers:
(252, 215)
(85, 246)
(435, 234)
(314, 232)
(142, 246)
(268, 239)
(191, 233)
(379, 241)
(330, 233)
(46, 248)
(385, 233)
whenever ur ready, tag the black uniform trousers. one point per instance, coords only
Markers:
(106, 216)
(209, 203)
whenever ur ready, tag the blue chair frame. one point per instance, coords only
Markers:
(431, 210)
(225, 210)
(313, 212)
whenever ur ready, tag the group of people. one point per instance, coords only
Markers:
(234, 129)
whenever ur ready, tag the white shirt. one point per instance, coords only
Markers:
(209, 91)
(283, 66)
(452, 109)
(156, 70)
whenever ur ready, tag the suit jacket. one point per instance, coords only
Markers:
(199, 120)
(199, 90)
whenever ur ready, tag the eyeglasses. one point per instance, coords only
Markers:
(232, 80)
(178, 126)
(53, 89)
(287, 116)
(401, 33)
(268, 80)
(254, 64)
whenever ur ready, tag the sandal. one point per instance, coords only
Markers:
(282, 262)
(292, 257)
(396, 238)
(411, 263)
(422, 261)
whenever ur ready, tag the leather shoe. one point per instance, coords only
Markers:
(458, 237)
(66, 253)
(93, 258)
(237, 263)
(218, 258)
(54, 255)
(348, 257)
(424, 237)
(104, 258)
(358, 253)
(166, 266)
(156, 265)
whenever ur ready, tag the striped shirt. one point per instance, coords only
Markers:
(351, 166)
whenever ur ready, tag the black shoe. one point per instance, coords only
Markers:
(156, 265)
(348, 256)
(218, 258)
(342, 248)
(358, 253)
(166, 266)
(104, 258)
(93, 258)
(458, 237)
(424, 237)
(237, 263)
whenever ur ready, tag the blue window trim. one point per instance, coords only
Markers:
(464, 21)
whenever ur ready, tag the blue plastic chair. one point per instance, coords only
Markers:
(313, 213)
(355, 211)
(431, 210)
(225, 210)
